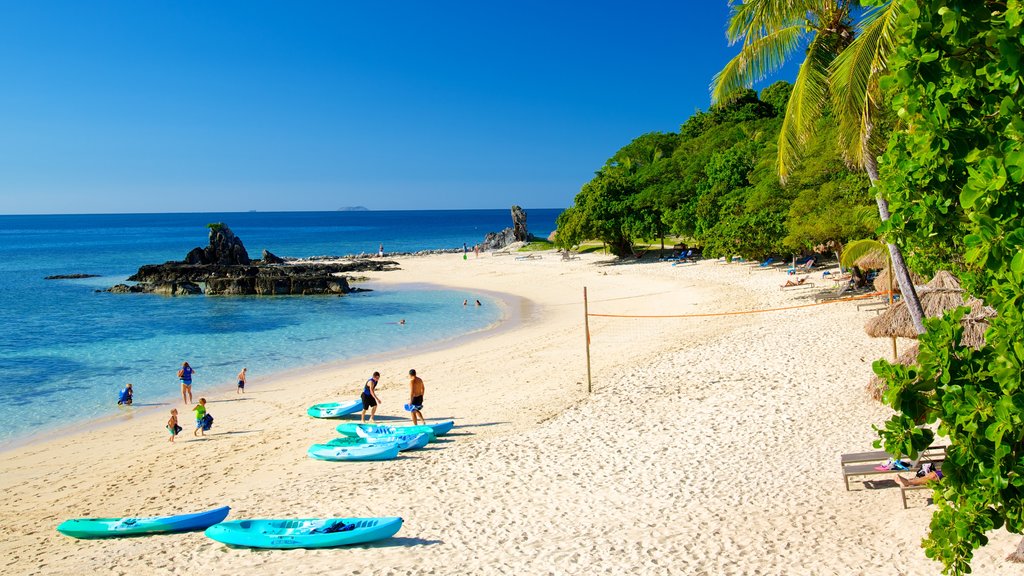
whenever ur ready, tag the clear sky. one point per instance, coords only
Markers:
(194, 106)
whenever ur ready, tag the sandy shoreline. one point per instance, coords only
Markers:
(710, 445)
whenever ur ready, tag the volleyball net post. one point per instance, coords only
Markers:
(586, 330)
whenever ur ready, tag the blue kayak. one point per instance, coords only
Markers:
(335, 409)
(114, 527)
(305, 533)
(404, 441)
(435, 428)
(361, 452)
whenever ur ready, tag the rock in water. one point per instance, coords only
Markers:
(270, 258)
(519, 224)
(225, 248)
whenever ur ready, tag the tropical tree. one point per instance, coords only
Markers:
(955, 177)
(839, 73)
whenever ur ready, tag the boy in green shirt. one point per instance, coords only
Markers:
(200, 411)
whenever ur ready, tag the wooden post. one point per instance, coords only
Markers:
(586, 328)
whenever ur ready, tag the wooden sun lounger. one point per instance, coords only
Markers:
(529, 257)
(863, 463)
(504, 252)
(905, 489)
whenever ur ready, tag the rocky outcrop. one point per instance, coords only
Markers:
(163, 288)
(224, 268)
(498, 240)
(270, 258)
(519, 224)
(225, 248)
(70, 276)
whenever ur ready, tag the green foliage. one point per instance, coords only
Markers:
(777, 96)
(715, 184)
(216, 226)
(955, 183)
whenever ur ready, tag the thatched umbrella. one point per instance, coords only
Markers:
(882, 283)
(873, 261)
(941, 294)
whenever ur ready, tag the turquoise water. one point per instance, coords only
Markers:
(69, 349)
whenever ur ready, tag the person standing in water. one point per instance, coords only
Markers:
(416, 389)
(185, 375)
(380, 251)
(241, 381)
(369, 397)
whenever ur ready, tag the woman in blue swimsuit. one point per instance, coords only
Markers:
(185, 375)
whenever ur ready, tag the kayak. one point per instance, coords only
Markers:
(305, 533)
(334, 409)
(114, 527)
(404, 441)
(434, 428)
(334, 453)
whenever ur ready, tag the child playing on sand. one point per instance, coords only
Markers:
(200, 411)
(172, 424)
(241, 381)
(125, 396)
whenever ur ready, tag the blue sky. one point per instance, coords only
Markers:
(194, 106)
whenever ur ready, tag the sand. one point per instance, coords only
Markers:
(708, 445)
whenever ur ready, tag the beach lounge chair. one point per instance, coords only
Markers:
(504, 252)
(567, 255)
(684, 258)
(767, 262)
(866, 463)
(798, 282)
(802, 266)
(529, 257)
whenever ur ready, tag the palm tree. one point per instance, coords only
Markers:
(840, 70)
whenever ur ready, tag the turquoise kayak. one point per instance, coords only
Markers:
(404, 441)
(305, 533)
(360, 452)
(335, 409)
(434, 428)
(115, 527)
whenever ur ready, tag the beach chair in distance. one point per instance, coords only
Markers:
(567, 256)
(798, 282)
(803, 266)
(529, 257)
(504, 252)
(767, 262)
(684, 258)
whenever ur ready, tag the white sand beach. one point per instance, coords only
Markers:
(709, 445)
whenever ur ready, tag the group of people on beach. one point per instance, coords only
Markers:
(204, 420)
(414, 407)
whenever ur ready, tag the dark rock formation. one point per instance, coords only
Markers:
(163, 288)
(225, 268)
(498, 240)
(270, 258)
(225, 248)
(70, 276)
(519, 224)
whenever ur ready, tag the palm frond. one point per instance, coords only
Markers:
(752, 20)
(857, 249)
(755, 62)
(853, 76)
(806, 103)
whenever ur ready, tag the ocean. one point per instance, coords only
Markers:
(69, 349)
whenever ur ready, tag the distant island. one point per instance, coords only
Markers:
(353, 209)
